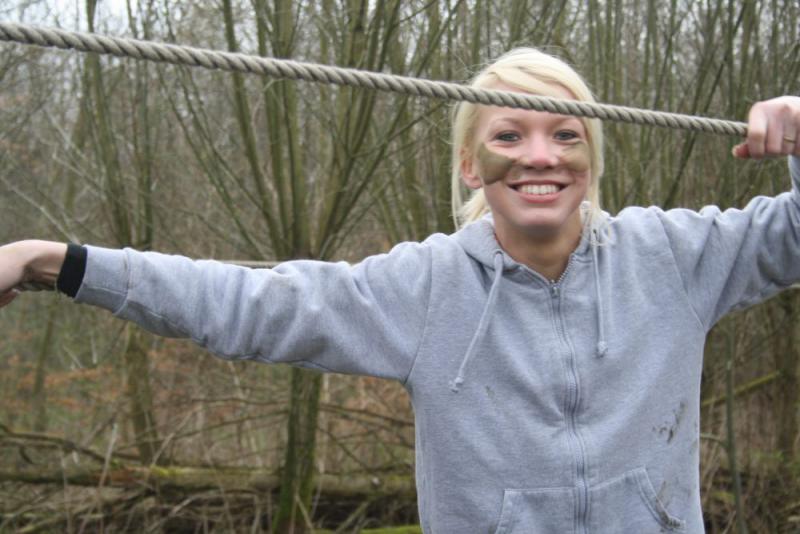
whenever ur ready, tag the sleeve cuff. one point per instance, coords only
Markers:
(71, 276)
(105, 283)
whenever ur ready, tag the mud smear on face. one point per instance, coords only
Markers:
(494, 167)
(576, 157)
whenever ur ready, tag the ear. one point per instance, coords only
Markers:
(469, 173)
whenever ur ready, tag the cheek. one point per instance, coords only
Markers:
(584, 180)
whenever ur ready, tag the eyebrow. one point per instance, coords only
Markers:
(504, 119)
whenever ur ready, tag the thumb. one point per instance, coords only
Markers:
(741, 151)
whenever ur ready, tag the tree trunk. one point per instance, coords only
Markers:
(121, 215)
(297, 477)
(140, 397)
(39, 394)
(786, 351)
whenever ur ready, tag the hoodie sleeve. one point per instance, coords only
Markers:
(363, 319)
(732, 259)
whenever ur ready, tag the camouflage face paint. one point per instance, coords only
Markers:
(493, 166)
(577, 158)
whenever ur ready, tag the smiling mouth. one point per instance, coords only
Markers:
(538, 189)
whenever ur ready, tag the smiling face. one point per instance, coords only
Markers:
(534, 168)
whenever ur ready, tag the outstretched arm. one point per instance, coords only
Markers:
(29, 262)
(735, 258)
(361, 319)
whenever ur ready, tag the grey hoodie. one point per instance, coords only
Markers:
(541, 406)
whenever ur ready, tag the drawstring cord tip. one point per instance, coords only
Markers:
(602, 349)
(483, 324)
(455, 385)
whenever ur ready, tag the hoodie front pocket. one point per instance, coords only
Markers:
(630, 504)
(537, 511)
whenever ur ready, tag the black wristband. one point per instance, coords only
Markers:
(71, 276)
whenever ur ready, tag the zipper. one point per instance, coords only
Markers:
(572, 408)
(555, 285)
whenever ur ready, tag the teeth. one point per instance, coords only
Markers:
(548, 189)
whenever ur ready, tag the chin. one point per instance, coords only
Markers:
(543, 230)
(542, 226)
(543, 222)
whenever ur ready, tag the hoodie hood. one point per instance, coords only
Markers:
(479, 242)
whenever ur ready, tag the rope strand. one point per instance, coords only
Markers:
(312, 72)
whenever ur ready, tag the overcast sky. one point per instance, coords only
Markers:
(69, 14)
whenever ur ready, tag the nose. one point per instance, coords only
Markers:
(539, 154)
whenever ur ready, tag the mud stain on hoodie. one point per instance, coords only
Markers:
(668, 429)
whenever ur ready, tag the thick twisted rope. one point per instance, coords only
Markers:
(295, 70)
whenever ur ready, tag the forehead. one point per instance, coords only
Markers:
(489, 116)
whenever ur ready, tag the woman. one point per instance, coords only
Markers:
(552, 352)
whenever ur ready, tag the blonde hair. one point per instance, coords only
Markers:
(531, 71)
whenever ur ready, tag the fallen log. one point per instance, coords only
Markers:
(193, 479)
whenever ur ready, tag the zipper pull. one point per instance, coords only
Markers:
(554, 290)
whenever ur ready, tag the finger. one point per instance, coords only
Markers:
(790, 116)
(756, 132)
(789, 141)
(781, 140)
(774, 142)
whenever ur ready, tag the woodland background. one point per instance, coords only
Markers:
(104, 427)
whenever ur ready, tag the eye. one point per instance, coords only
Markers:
(508, 137)
(566, 135)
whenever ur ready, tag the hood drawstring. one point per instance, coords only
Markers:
(602, 347)
(483, 324)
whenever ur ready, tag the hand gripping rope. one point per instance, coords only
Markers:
(312, 72)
